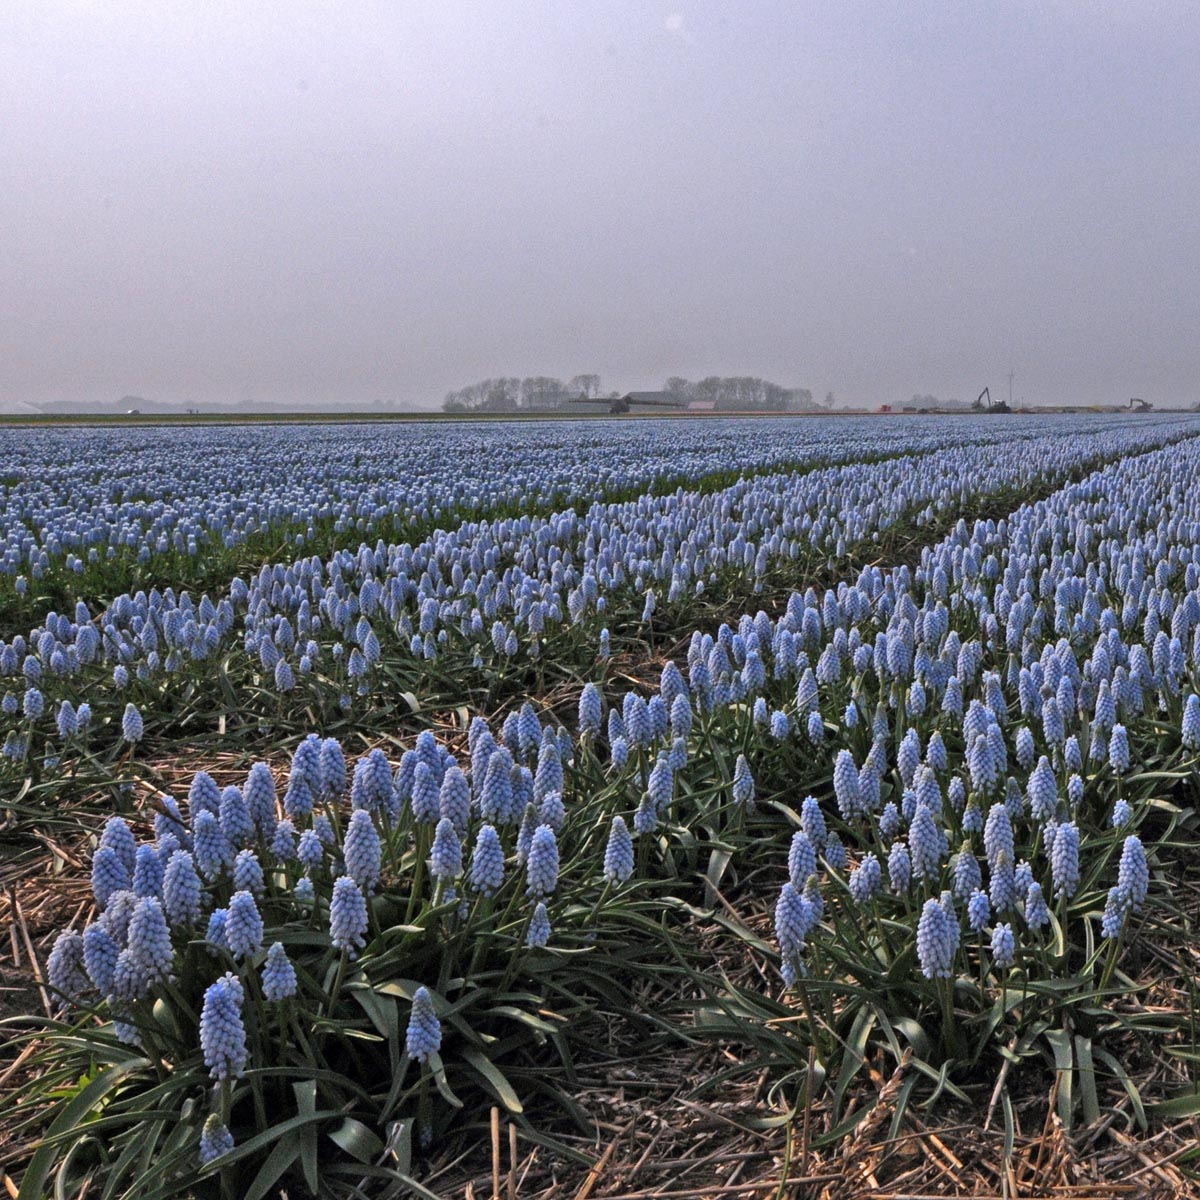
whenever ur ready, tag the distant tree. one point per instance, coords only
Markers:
(679, 388)
(829, 400)
(541, 391)
(743, 393)
(584, 385)
(501, 394)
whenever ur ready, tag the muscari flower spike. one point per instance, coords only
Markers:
(243, 926)
(445, 857)
(1133, 873)
(424, 1034)
(1003, 946)
(1037, 914)
(793, 920)
(618, 853)
(487, 862)
(937, 941)
(590, 710)
(978, 911)
(132, 727)
(347, 917)
(363, 850)
(539, 927)
(182, 890)
(215, 1139)
(541, 868)
(222, 1033)
(278, 974)
(1064, 861)
(248, 873)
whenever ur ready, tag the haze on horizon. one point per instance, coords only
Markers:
(378, 202)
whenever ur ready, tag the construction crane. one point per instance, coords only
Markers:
(1138, 405)
(998, 407)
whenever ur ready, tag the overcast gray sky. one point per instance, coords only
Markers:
(355, 202)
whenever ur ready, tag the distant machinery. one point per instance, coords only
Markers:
(632, 400)
(999, 406)
(1138, 405)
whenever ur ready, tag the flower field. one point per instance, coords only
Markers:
(368, 789)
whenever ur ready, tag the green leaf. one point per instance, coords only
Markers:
(286, 1151)
(495, 1077)
(526, 1018)
(399, 1143)
(1064, 1063)
(417, 1189)
(306, 1105)
(854, 1053)
(76, 1110)
(1087, 1079)
(438, 1071)
(382, 1011)
(1187, 1105)
(361, 1143)
(268, 1136)
(718, 864)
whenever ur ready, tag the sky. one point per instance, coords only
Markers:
(358, 203)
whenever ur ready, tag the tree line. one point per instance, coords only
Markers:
(743, 393)
(510, 394)
(732, 393)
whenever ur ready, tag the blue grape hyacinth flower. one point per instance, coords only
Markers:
(866, 880)
(541, 868)
(979, 911)
(590, 710)
(618, 853)
(1064, 861)
(794, 918)
(65, 970)
(100, 953)
(743, 782)
(1037, 914)
(445, 857)
(222, 1033)
(243, 926)
(109, 875)
(487, 862)
(802, 859)
(1133, 873)
(347, 917)
(899, 868)
(1118, 750)
(215, 1139)
(1190, 728)
(248, 873)
(1004, 946)
(363, 850)
(132, 727)
(278, 974)
(424, 1034)
(182, 890)
(539, 927)
(937, 941)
